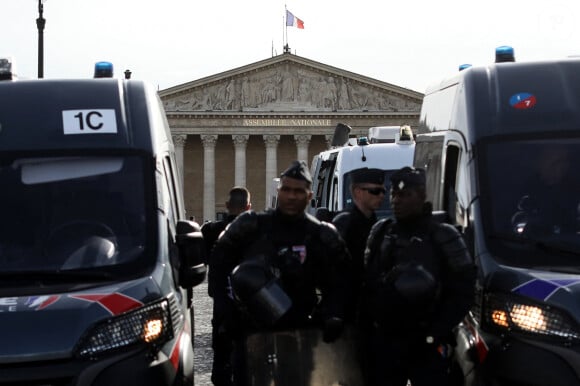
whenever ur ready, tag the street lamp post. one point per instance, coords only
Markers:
(40, 22)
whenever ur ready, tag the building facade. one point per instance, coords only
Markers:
(244, 126)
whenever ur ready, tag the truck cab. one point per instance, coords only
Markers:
(97, 261)
(500, 147)
(331, 170)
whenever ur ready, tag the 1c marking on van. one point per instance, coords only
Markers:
(523, 100)
(89, 121)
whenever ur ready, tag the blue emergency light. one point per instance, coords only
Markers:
(362, 141)
(6, 69)
(103, 70)
(464, 66)
(504, 54)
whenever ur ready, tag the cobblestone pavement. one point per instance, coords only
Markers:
(203, 353)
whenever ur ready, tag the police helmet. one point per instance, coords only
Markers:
(256, 288)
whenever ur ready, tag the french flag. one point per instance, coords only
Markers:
(293, 21)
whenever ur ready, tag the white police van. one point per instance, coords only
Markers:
(385, 149)
(97, 261)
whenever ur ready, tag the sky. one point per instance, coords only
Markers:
(408, 43)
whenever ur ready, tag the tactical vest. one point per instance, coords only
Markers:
(406, 273)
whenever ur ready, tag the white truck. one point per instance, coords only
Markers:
(387, 147)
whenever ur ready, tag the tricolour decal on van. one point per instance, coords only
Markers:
(114, 303)
(523, 100)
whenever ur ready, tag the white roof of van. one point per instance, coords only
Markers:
(386, 156)
(384, 133)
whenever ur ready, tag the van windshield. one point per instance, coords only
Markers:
(71, 213)
(531, 190)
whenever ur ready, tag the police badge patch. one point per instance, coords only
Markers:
(300, 252)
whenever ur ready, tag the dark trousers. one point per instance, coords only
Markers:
(222, 345)
(228, 368)
(391, 360)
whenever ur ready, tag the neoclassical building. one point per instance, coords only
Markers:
(244, 126)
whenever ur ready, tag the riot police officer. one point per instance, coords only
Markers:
(418, 285)
(368, 193)
(238, 202)
(283, 267)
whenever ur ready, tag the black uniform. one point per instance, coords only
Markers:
(221, 342)
(419, 284)
(211, 232)
(354, 227)
(307, 257)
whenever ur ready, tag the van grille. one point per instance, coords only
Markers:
(175, 312)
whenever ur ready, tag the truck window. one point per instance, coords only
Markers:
(334, 195)
(64, 213)
(170, 179)
(531, 191)
(428, 156)
(324, 185)
(450, 182)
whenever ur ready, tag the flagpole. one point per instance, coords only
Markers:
(285, 48)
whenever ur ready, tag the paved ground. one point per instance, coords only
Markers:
(203, 352)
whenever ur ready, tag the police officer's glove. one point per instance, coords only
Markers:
(331, 329)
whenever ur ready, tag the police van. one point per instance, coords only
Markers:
(97, 263)
(331, 170)
(501, 147)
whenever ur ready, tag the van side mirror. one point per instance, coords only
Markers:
(189, 239)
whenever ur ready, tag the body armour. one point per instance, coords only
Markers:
(307, 258)
(417, 276)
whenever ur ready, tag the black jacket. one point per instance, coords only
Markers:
(400, 262)
(354, 227)
(211, 232)
(306, 255)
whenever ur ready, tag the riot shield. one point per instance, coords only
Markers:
(300, 357)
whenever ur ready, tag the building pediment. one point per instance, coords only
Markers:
(289, 83)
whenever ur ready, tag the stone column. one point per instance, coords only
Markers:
(240, 143)
(271, 142)
(302, 142)
(179, 143)
(209, 142)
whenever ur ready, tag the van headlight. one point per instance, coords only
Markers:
(150, 324)
(516, 314)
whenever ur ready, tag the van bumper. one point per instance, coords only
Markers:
(123, 369)
(525, 362)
